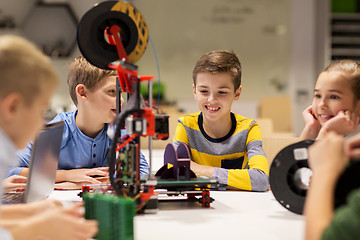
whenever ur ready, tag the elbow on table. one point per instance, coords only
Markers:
(259, 181)
(262, 188)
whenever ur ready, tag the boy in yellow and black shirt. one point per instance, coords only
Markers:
(223, 145)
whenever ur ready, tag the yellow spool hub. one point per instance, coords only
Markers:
(143, 33)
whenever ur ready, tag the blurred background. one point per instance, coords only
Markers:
(282, 45)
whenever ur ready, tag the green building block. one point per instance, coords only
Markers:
(115, 216)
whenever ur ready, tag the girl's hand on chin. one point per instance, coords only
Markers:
(344, 123)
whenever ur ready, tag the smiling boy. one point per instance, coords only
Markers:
(223, 145)
(85, 142)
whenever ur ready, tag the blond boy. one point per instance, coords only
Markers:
(27, 82)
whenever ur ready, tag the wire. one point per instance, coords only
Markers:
(158, 70)
(133, 2)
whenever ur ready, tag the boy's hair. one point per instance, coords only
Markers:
(82, 72)
(219, 61)
(24, 69)
(350, 67)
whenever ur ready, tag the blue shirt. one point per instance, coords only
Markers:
(77, 149)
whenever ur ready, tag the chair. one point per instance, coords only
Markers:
(279, 110)
(266, 126)
(273, 145)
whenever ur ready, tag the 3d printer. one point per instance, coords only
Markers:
(114, 35)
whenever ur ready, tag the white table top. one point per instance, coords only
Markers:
(233, 215)
(239, 215)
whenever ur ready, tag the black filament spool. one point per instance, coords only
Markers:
(290, 176)
(92, 41)
(290, 190)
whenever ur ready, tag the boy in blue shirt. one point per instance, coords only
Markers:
(85, 142)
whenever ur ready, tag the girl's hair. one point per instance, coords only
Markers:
(82, 72)
(350, 67)
(219, 61)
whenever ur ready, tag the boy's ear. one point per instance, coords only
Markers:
(10, 105)
(237, 93)
(194, 89)
(81, 91)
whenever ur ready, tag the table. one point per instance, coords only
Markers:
(233, 215)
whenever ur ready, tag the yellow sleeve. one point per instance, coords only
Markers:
(256, 177)
(180, 133)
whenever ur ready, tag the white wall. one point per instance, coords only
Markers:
(274, 39)
(309, 52)
(256, 30)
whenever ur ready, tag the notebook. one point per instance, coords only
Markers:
(44, 161)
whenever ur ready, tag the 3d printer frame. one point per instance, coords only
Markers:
(113, 35)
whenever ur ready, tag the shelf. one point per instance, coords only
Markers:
(53, 28)
(345, 36)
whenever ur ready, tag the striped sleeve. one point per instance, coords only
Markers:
(254, 176)
(180, 133)
(239, 160)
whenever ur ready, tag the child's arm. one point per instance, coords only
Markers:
(81, 175)
(256, 177)
(19, 211)
(24, 160)
(55, 224)
(327, 161)
(312, 125)
(202, 170)
(347, 218)
(14, 183)
(344, 123)
(75, 178)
